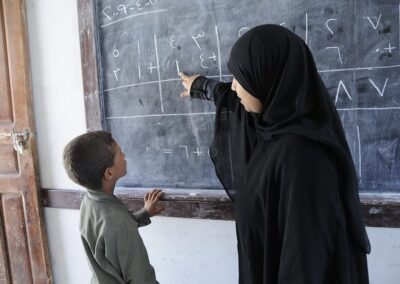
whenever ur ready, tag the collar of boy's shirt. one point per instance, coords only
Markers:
(101, 196)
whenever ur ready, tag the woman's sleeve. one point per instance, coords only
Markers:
(211, 90)
(308, 219)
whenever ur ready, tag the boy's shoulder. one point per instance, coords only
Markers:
(105, 216)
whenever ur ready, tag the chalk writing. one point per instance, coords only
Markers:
(340, 86)
(200, 35)
(376, 24)
(145, 45)
(338, 51)
(328, 26)
(380, 92)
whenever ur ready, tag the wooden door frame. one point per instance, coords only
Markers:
(23, 186)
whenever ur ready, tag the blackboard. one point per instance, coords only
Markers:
(141, 45)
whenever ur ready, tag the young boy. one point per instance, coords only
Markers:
(109, 231)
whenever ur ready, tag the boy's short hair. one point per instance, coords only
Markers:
(87, 156)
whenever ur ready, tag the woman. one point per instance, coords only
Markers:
(280, 152)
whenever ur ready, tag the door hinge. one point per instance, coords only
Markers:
(19, 138)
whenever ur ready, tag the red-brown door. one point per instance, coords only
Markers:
(23, 243)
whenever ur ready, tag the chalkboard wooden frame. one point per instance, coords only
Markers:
(89, 65)
(379, 210)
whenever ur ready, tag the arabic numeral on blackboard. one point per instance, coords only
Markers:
(107, 10)
(140, 4)
(199, 35)
(116, 71)
(172, 42)
(122, 8)
(177, 67)
(202, 61)
(328, 26)
(115, 53)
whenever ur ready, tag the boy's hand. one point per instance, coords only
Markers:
(187, 82)
(151, 202)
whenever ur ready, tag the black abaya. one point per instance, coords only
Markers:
(289, 169)
(290, 222)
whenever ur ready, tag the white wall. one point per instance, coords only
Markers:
(181, 250)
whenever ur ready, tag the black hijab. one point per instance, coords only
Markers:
(276, 66)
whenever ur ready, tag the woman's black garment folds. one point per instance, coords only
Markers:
(275, 65)
(291, 225)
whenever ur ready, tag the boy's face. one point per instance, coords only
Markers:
(119, 167)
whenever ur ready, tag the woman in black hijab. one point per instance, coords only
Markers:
(280, 152)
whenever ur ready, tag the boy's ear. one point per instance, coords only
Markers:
(108, 174)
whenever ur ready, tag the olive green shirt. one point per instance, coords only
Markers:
(111, 239)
